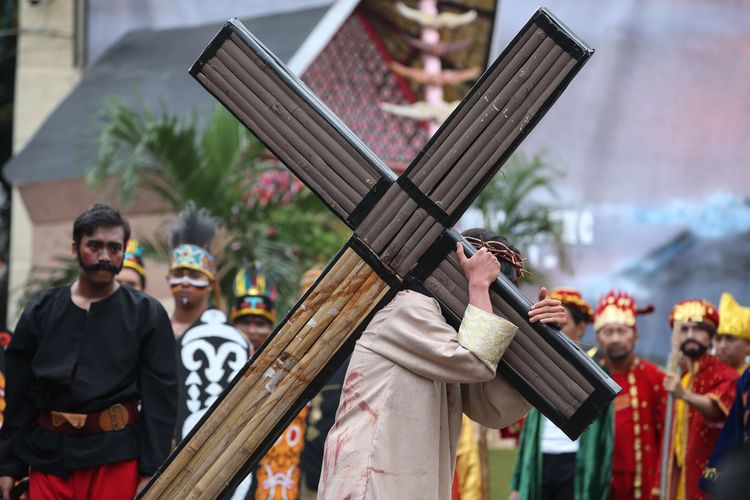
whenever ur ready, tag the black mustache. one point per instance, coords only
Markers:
(692, 341)
(100, 266)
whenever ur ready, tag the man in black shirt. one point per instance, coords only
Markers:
(91, 377)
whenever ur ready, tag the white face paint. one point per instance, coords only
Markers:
(185, 280)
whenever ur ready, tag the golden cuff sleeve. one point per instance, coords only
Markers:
(484, 334)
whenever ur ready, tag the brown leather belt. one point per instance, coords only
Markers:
(114, 418)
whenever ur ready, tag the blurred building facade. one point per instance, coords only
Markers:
(58, 42)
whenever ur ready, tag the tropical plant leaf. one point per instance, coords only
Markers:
(267, 219)
(514, 204)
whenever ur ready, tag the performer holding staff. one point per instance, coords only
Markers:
(703, 396)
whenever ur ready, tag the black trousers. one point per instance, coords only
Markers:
(558, 474)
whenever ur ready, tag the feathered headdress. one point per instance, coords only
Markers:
(191, 236)
(134, 257)
(255, 294)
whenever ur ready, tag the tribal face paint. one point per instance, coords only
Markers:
(189, 286)
(177, 282)
(100, 255)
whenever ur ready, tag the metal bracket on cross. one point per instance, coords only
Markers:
(402, 238)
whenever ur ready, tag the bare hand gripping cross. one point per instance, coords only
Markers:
(401, 239)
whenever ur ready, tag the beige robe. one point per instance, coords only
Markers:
(409, 380)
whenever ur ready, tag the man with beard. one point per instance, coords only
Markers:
(549, 465)
(91, 379)
(732, 340)
(639, 408)
(703, 397)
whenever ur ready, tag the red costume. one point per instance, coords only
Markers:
(639, 409)
(639, 427)
(694, 440)
(693, 437)
(116, 480)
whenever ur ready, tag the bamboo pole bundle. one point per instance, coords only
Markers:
(312, 166)
(413, 239)
(317, 111)
(494, 105)
(314, 150)
(372, 225)
(519, 365)
(407, 260)
(238, 452)
(542, 349)
(515, 88)
(399, 243)
(502, 137)
(246, 409)
(442, 144)
(476, 140)
(194, 450)
(336, 156)
(517, 54)
(490, 164)
(404, 207)
(485, 137)
(437, 287)
(497, 118)
(275, 144)
(258, 396)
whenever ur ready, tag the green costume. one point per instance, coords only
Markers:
(593, 459)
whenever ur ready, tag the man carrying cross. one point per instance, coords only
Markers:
(412, 376)
(401, 240)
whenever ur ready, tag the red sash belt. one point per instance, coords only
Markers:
(114, 418)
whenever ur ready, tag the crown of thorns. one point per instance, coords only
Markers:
(501, 251)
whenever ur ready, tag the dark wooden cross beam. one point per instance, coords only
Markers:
(401, 239)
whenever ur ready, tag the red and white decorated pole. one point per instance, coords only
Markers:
(432, 64)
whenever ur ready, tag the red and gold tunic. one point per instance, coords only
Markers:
(639, 422)
(694, 437)
(278, 472)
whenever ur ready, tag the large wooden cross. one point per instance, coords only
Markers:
(402, 238)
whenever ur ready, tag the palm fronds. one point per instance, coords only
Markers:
(514, 203)
(268, 217)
